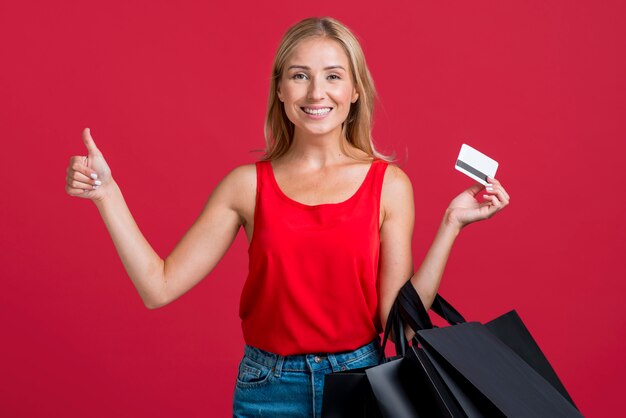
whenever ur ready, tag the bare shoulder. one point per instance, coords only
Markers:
(231, 202)
(397, 192)
(242, 176)
(240, 185)
(396, 182)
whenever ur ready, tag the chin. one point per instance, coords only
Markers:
(319, 129)
(320, 132)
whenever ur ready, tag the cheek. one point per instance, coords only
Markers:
(343, 95)
(290, 110)
(292, 88)
(290, 96)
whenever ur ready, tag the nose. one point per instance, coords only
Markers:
(316, 89)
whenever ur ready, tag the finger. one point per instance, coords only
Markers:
(505, 193)
(496, 185)
(90, 143)
(77, 164)
(77, 184)
(498, 192)
(475, 188)
(77, 175)
(74, 180)
(75, 192)
(495, 182)
(490, 207)
(494, 200)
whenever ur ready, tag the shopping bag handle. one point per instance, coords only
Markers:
(445, 310)
(408, 308)
(412, 309)
(394, 322)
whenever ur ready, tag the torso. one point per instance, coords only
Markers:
(309, 187)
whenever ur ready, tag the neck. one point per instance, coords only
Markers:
(318, 150)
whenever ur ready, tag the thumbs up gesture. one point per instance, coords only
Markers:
(88, 176)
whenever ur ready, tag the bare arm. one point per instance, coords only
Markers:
(159, 281)
(396, 265)
(463, 210)
(427, 278)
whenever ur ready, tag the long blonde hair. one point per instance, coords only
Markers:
(357, 128)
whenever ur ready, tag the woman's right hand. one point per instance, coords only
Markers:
(88, 176)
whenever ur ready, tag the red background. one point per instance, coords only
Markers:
(175, 96)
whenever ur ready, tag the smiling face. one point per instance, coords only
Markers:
(316, 87)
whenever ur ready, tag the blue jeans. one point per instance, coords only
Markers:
(269, 385)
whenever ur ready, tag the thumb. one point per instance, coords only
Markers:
(476, 187)
(89, 143)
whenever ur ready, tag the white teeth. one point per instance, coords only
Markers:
(316, 111)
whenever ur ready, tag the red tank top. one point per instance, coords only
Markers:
(312, 284)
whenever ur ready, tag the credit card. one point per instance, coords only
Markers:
(475, 164)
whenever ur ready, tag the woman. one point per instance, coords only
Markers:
(328, 219)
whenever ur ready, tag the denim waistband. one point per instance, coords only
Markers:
(311, 362)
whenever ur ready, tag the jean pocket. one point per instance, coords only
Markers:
(252, 373)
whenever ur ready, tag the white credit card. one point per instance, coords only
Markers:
(475, 164)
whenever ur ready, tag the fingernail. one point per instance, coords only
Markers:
(94, 176)
(489, 189)
(95, 187)
(98, 182)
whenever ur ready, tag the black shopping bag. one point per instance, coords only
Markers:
(487, 377)
(404, 389)
(510, 329)
(399, 387)
(464, 370)
(410, 386)
(495, 369)
(347, 394)
(476, 370)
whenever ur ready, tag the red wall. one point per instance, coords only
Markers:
(175, 95)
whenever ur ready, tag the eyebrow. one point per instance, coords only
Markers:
(304, 67)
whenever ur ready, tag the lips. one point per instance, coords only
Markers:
(316, 111)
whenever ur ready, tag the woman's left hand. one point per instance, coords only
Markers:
(465, 208)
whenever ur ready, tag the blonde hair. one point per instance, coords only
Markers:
(357, 128)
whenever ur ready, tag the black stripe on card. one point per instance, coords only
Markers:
(472, 170)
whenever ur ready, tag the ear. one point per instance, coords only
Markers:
(355, 96)
(279, 93)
